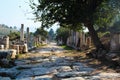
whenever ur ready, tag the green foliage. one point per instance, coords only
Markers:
(62, 34)
(115, 27)
(106, 14)
(66, 47)
(102, 34)
(73, 13)
(66, 12)
(14, 35)
(39, 45)
(108, 17)
(5, 30)
(41, 32)
(3, 25)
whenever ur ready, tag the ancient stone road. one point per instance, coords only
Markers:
(47, 49)
(52, 68)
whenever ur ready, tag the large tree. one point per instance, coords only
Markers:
(69, 12)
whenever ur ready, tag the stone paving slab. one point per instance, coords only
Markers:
(74, 78)
(41, 71)
(74, 71)
(44, 77)
(28, 78)
(9, 73)
(72, 74)
(82, 68)
(110, 75)
(64, 69)
(5, 78)
(25, 74)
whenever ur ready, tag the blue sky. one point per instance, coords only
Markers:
(17, 12)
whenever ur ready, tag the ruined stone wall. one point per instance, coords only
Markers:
(4, 42)
(115, 42)
(78, 40)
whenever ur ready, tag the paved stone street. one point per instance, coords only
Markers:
(52, 68)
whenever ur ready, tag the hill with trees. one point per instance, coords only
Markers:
(5, 30)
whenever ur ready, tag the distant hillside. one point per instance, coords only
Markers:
(5, 30)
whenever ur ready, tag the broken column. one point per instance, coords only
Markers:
(28, 36)
(22, 32)
(31, 44)
(82, 39)
(72, 38)
(6, 42)
(77, 37)
(88, 41)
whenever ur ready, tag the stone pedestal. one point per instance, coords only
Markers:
(13, 53)
(16, 47)
(25, 48)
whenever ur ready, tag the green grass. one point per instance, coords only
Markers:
(19, 55)
(66, 47)
(39, 45)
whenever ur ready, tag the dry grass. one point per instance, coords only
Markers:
(66, 53)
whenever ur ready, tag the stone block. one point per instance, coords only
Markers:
(13, 53)
(64, 68)
(8, 54)
(2, 47)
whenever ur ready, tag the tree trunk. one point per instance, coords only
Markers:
(95, 37)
